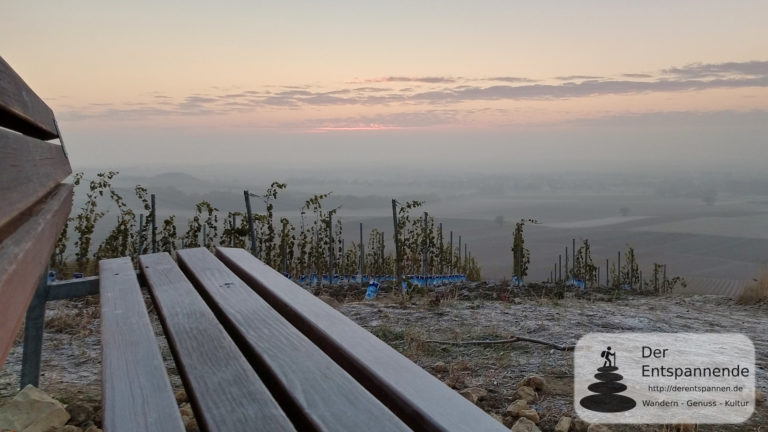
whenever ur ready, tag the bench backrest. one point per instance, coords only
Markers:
(34, 204)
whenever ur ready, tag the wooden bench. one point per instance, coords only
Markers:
(34, 205)
(254, 350)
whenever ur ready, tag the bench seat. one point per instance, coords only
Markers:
(256, 352)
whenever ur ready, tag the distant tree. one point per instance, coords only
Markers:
(624, 211)
(499, 220)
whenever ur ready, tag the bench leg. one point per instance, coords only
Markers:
(33, 335)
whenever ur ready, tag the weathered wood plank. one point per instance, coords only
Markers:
(226, 392)
(21, 109)
(136, 392)
(29, 169)
(420, 399)
(314, 391)
(24, 255)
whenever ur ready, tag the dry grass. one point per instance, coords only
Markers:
(681, 427)
(756, 292)
(415, 348)
(447, 297)
(69, 268)
(74, 317)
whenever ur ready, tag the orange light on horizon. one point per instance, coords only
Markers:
(370, 127)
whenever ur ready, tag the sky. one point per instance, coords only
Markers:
(497, 85)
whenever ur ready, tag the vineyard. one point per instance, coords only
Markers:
(310, 249)
(581, 271)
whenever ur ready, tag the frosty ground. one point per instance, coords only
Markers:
(481, 311)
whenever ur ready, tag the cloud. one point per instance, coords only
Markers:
(583, 89)
(444, 91)
(511, 79)
(702, 70)
(687, 78)
(578, 78)
(373, 89)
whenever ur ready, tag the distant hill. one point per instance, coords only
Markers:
(175, 179)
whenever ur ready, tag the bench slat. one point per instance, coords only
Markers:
(21, 109)
(29, 169)
(225, 390)
(136, 392)
(314, 391)
(24, 256)
(417, 397)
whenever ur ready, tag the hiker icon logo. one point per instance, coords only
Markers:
(607, 398)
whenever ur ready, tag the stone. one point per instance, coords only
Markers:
(190, 424)
(563, 425)
(526, 393)
(474, 394)
(598, 428)
(534, 381)
(330, 301)
(759, 397)
(32, 410)
(188, 418)
(440, 367)
(515, 407)
(580, 425)
(92, 428)
(186, 410)
(462, 365)
(181, 397)
(79, 413)
(455, 382)
(525, 425)
(67, 428)
(531, 414)
(498, 418)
